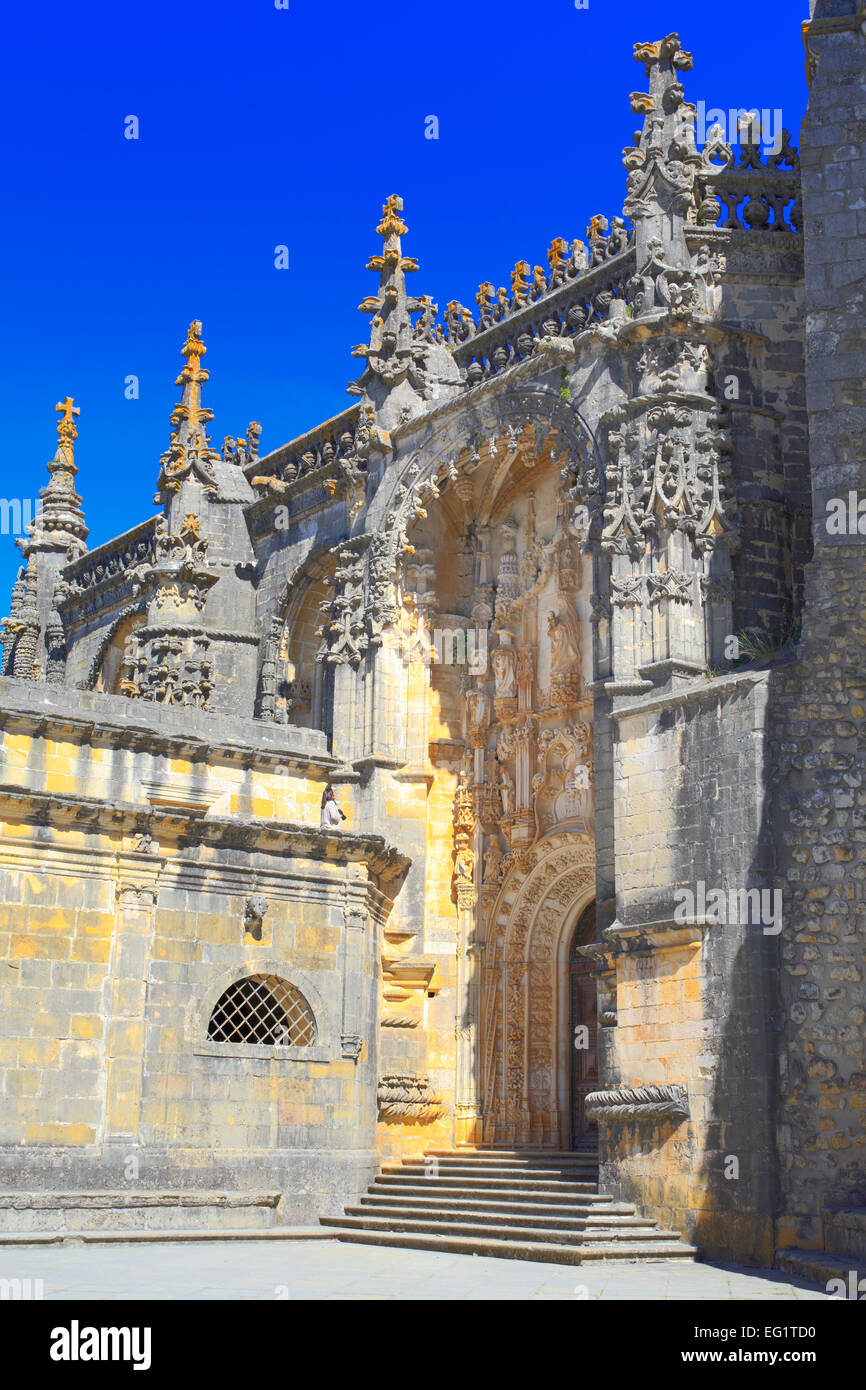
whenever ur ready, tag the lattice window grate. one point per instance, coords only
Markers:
(265, 1010)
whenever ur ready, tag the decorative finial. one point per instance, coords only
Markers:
(59, 522)
(389, 351)
(189, 450)
(668, 48)
(556, 254)
(66, 431)
(519, 284)
(400, 354)
(392, 223)
(663, 163)
(192, 378)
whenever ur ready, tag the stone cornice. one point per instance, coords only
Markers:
(169, 824)
(693, 694)
(854, 22)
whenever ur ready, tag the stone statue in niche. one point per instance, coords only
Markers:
(564, 643)
(464, 863)
(506, 788)
(504, 661)
(492, 862)
(478, 715)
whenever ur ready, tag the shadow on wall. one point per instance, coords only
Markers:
(733, 1194)
(815, 812)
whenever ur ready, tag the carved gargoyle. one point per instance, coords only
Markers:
(255, 908)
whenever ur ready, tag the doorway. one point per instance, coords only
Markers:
(583, 1029)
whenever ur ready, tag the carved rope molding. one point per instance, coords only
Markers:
(640, 1104)
(408, 1098)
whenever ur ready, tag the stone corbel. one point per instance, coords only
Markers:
(350, 1045)
(138, 875)
(665, 934)
(639, 1105)
(405, 981)
(408, 1098)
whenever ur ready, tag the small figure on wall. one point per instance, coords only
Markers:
(331, 813)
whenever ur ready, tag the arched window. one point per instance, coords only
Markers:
(263, 1010)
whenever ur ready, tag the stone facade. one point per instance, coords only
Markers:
(532, 605)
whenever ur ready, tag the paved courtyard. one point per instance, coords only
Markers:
(330, 1270)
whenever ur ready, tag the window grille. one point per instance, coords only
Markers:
(265, 1010)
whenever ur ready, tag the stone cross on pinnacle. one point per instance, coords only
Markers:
(663, 160)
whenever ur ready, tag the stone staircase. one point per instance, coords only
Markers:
(843, 1256)
(519, 1204)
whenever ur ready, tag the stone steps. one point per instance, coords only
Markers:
(434, 1223)
(513, 1157)
(845, 1232)
(548, 1187)
(599, 1208)
(512, 1204)
(524, 1155)
(546, 1251)
(79, 1212)
(586, 1172)
(821, 1267)
(556, 1197)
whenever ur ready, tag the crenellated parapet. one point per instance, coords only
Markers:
(758, 192)
(528, 284)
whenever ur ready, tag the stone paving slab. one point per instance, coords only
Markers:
(327, 1270)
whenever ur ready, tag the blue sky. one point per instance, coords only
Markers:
(261, 127)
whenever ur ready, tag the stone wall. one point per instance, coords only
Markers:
(819, 810)
(687, 993)
(128, 875)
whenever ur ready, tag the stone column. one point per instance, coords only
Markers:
(524, 816)
(351, 1038)
(468, 1126)
(125, 994)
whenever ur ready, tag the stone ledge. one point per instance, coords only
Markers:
(33, 708)
(645, 938)
(263, 1052)
(815, 1265)
(99, 1200)
(249, 833)
(173, 1237)
(683, 695)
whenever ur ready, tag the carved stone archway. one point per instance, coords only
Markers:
(525, 1053)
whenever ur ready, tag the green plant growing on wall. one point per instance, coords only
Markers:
(756, 648)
